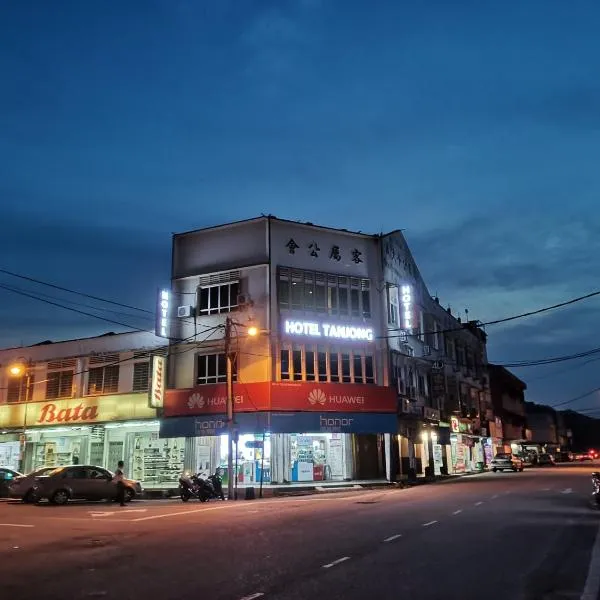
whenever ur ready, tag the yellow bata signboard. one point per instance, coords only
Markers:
(94, 409)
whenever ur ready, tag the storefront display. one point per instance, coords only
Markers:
(9, 453)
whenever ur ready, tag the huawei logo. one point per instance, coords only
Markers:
(317, 397)
(195, 401)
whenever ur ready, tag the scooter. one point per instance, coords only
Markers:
(194, 486)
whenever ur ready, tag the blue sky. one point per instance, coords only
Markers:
(475, 126)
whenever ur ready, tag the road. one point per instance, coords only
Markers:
(517, 536)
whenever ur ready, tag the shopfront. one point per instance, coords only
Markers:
(302, 436)
(99, 430)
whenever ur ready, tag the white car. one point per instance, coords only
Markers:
(506, 462)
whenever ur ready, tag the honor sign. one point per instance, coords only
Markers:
(327, 330)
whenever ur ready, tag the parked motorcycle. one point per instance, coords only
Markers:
(195, 486)
(596, 489)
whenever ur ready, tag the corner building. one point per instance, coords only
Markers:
(312, 400)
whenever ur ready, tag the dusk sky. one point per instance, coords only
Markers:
(474, 126)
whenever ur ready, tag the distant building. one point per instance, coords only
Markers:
(508, 399)
(541, 421)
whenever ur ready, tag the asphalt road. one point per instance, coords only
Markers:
(517, 536)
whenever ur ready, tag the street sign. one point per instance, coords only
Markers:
(254, 444)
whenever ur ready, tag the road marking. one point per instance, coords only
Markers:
(393, 537)
(15, 525)
(252, 596)
(592, 582)
(478, 503)
(101, 514)
(429, 523)
(494, 496)
(457, 512)
(179, 513)
(336, 562)
(567, 491)
(546, 489)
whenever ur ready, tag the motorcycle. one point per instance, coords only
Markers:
(596, 489)
(195, 486)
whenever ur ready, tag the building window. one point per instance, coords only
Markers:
(317, 292)
(59, 384)
(220, 298)
(285, 364)
(212, 368)
(103, 380)
(393, 305)
(141, 375)
(20, 389)
(336, 366)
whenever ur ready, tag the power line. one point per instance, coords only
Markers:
(64, 289)
(571, 400)
(503, 320)
(562, 371)
(81, 312)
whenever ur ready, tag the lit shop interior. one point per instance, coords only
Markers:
(157, 463)
(280, 457)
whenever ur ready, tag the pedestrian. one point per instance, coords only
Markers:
(118, 479)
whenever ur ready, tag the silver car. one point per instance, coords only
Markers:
(506, 462)
(22, 485)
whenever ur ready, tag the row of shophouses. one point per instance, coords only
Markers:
(355, 371)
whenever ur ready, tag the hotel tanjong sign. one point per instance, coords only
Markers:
(281, 396)
(77, 411)
(327, 330)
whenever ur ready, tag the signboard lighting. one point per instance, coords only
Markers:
(162, 313)
(406, 300)
(328, 330)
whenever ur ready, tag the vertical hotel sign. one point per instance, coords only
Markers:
(156, 394)
(406, 299)
(162, 313)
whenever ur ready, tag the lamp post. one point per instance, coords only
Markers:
(19, 370)
(252, 331)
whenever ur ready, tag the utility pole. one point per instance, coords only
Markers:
(230, 493)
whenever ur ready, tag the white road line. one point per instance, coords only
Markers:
(592, 583)
(567, 491)
(336, 562)
(494, 496)
(15, 525)
(546, 489)
(252, 596)
(478, 503)
(457, 512)
(429, 523)
(179, 513)
(393, 537)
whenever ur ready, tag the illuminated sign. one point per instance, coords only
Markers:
(406, 300)
(337, 332)
(156, 396)
(454, 424)
(162, 314)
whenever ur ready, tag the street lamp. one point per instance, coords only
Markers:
(252, 331)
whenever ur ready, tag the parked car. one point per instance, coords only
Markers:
(583, 456)
(22, 485)
(82, 482)
(506, 462)
(546, 460)
(6, 477)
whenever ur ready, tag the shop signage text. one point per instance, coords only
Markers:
(162, 314)
(281, 396)
(156, 397)
(406, 300)
(338, 332)
(51, 413)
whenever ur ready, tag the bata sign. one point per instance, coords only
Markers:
(77, 411)
(337, 332)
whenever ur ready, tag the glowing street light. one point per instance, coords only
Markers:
(16, 370)
(252, 330)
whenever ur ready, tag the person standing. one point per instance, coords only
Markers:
(118, 479)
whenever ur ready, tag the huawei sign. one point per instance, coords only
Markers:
(317, 397)
(195, 401)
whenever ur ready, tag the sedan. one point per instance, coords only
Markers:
(82, 482)
(22, 485)
(6, 478)
(506, 462)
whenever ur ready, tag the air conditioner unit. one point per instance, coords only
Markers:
(184, 311)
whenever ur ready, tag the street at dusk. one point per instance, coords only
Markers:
(517, 536)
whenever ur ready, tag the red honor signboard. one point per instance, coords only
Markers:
(212, 399)
(334, 397)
